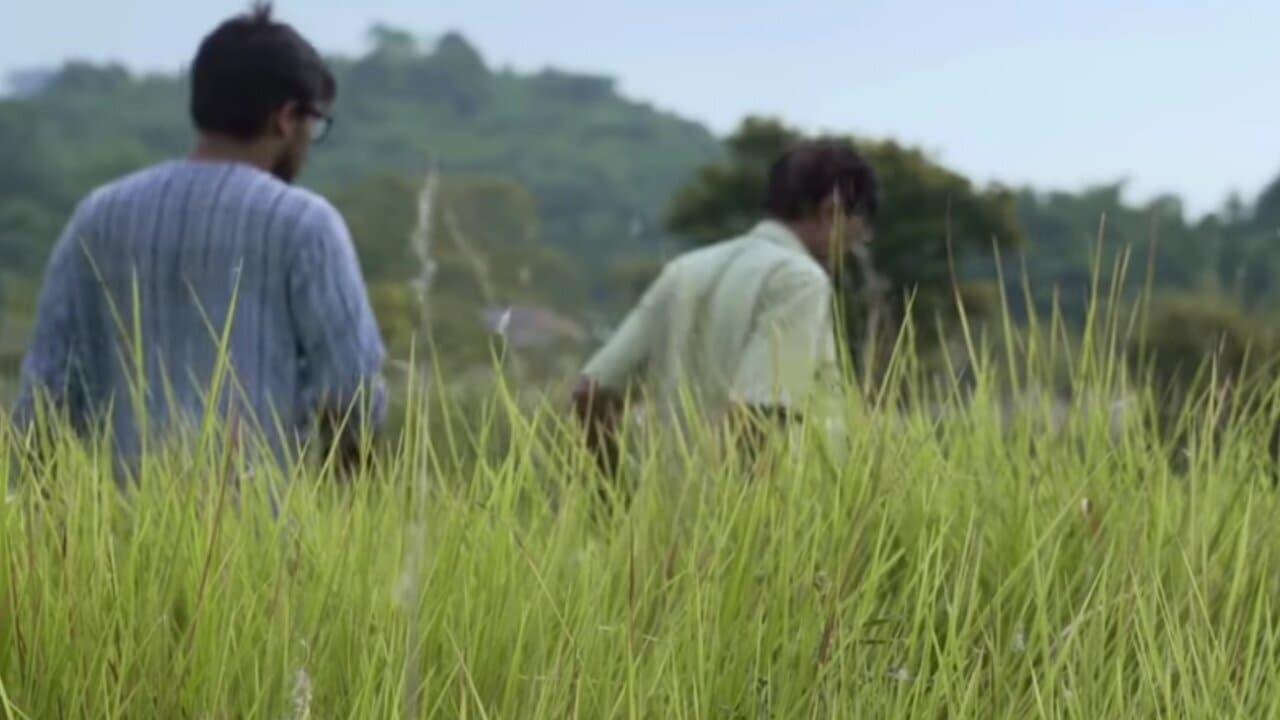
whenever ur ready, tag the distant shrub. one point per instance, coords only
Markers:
(1184, 333)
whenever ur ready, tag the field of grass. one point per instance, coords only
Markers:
(939, 558)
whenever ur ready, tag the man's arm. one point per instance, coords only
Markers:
(752, 424)
(51, 381)
(340, 347)
(598, 399)
(599, 409)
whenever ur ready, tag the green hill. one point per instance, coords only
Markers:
(599, 166)
(559, 188)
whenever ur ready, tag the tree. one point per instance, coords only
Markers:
(1185, 334)
(1266, 210)
(25, 144)
(388, 43)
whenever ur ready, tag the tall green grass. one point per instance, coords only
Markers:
(948, 553)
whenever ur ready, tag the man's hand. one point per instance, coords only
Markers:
(600, 411)
(345, 437)
(753, 427)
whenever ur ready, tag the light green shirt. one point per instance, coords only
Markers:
(747, 321)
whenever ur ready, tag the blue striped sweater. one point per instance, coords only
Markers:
(203, 247)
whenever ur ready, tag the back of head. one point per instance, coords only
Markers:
(248, 68)
(805, 176)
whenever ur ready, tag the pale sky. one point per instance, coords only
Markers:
(1175, 95)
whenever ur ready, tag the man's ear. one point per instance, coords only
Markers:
(285, 121)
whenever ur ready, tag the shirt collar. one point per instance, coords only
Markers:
(779, 234)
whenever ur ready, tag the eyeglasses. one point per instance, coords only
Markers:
(321, 124)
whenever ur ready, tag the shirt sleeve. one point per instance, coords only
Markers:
(625, 354)
(51, 367)
(790, 344)
(340, 348)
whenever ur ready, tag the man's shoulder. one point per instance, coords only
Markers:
(312, 226)
(753, 256)
(309, 199)
(709, 255)
(293, 211)
(125, 186)
(802, 268)
(781, 265)
(259, 187)
(273, 195)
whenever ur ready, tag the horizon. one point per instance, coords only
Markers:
(1178, 115)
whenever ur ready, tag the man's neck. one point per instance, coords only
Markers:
(215, 148)
(805, 233)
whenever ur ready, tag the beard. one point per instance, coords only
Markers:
(288, 165)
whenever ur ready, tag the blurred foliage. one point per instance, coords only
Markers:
(559, 193)
(381, 211)
(1188, 334)
(1231, 258)
(487, 255)
(1203, 354)
(568, 174)
(1068, 234)
(598, 167)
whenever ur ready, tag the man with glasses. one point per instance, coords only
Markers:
(159, 275)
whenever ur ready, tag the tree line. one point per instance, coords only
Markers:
(557, 192)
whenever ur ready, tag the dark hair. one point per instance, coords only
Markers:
(803, 177)
(248, 68)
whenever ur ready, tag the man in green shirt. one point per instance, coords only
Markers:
(743, 327)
